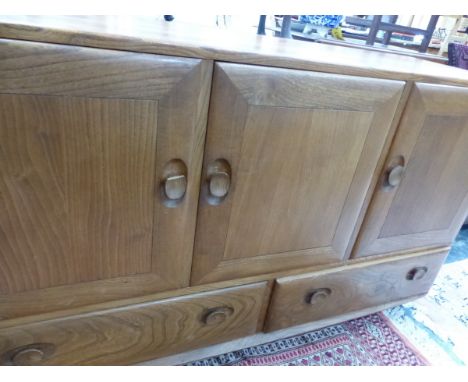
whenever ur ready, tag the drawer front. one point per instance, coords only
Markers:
(314, 296)
(135, 333)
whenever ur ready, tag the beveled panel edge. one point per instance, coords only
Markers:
(368, 93)
(76, 71)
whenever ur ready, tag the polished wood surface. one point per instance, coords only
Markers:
(64, 219)
(302, 148)
(136, 333)
(145, 34)
(348, 289)
(87, 136)
(102, 188)
(428, 204)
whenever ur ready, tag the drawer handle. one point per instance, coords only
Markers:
(395, 175)
(219, 184)
(417, 273)
(318, 295)
(175, 187)
(217, 315)
(32, 354)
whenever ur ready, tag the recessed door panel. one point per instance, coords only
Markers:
(287, 195)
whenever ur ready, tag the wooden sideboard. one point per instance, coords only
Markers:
(164, 191)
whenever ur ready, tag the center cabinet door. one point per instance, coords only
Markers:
(288, 161)
(100, 160)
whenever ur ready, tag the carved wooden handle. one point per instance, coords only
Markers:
(217, 315)
(175, 187)
(318, 295)
(28, 357)
(417, 273)
(32, 354)
(219, 184)
(395, 175)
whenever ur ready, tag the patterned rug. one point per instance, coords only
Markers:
(370, 341)
(438, 323)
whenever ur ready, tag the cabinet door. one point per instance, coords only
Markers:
(100, 160)
(288, 160)
(422, 198)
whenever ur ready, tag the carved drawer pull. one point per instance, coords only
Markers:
(175, 187)
(32, 354)
(217, 315)
(318, 295)
(417, 273)
(395, 175)
(219, 184)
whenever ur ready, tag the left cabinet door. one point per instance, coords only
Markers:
(100, 159)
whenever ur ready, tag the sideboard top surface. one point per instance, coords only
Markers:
(148, 35)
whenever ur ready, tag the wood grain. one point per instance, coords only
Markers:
(77, 190)
(265, 338)
(86, 135)
(376, 177)
(145, 34)
(351, 289)
(49, 69)
(430, 204)
(301, 165)
(139, 332)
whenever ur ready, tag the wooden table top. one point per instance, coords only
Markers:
(148, 35)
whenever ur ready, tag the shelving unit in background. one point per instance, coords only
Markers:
(459, 34)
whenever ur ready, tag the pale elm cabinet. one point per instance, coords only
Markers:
(166, 195)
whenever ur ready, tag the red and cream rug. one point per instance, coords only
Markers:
(369, 340)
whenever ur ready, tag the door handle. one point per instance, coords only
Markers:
(395, 175)
(174, 182)
(219, 183)
(175, 187)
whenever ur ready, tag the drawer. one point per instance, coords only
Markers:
(134, 333)
(332, 292)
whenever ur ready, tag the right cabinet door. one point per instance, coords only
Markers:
(422, 198)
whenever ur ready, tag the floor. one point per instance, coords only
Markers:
(438, 323)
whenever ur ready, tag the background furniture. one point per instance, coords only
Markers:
(357, 38)
(458, 34)
(375, 24)
(161, 192)
(458, 55)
